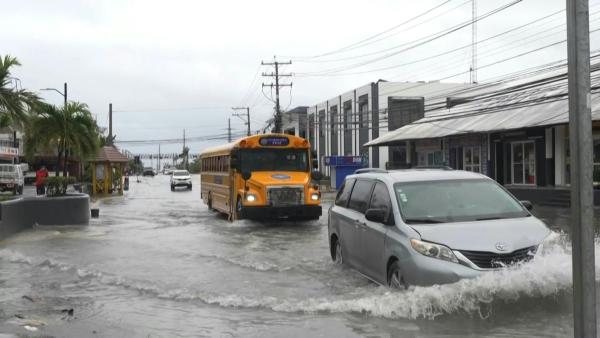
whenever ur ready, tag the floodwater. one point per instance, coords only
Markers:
(158, 263)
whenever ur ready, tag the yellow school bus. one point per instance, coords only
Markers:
(261, 176)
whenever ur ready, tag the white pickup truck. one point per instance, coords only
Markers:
(11, 178)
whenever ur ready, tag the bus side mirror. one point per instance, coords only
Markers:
(235, 163)
(316, 175)
(315, 163)
(246, 175)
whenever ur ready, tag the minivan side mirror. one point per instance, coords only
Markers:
(527, 204)
(376, 215)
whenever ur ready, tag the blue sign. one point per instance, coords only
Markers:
(274, 141)
(280, 176)
(355, 161)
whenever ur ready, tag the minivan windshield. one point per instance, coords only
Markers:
(431, 202)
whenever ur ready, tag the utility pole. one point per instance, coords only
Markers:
(229, 130)
(247, 116)
(276, 75)
(158, 164)
(474, 42)
(110, 143)
(582, 199)
(185, 153)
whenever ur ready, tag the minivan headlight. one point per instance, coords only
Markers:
(552, 239)
(433, 250)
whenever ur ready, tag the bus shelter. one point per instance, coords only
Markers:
(107, 171)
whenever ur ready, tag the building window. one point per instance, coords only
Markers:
(472, 159)
(523, 162)
(430, 158)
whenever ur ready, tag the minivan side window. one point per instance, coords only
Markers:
(359, 199)
(344, 193)
(381, 200)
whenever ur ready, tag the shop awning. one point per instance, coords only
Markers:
(542, 101)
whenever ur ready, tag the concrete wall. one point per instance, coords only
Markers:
(24, 213)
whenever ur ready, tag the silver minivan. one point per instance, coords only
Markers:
(429, 226)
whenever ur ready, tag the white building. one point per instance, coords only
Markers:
(344, 123)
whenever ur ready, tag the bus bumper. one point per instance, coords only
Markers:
(283, 212)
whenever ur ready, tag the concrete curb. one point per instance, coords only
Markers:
(24, 213)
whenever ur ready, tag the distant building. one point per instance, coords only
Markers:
(294, 122)
(343, 124)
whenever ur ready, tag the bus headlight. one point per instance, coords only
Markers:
(314, 196)
(250, 198)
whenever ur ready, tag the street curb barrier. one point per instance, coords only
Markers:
(23, 213)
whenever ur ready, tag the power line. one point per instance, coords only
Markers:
(169, 109)
(363, 42)
(412, 44)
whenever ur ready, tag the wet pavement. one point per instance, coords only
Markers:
(159, 263)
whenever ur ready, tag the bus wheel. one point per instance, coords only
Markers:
(209, 203)
(239, 207)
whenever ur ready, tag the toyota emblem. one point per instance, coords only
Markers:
(501, 246)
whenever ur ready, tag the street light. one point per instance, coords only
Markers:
(64, 94)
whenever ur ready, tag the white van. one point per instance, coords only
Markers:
(11, 178)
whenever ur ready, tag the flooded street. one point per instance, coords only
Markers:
(159, 263)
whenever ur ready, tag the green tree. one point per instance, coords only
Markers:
(70, 130)
(15, 103)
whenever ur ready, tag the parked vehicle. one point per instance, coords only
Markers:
(167, 170)
(148, 171)
(261, 176)
(11, 178)
(425, 227)
(181, 178)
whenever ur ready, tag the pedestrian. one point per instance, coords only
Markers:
(40, 176)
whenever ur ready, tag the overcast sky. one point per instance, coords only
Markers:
(170, 65)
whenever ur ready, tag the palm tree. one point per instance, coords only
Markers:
(70, 130)
(15, 103)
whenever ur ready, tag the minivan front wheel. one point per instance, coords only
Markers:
(395, 279)
(338, 258)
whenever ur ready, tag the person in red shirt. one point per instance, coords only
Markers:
(40, 175)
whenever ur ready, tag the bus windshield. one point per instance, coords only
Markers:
(273, 160)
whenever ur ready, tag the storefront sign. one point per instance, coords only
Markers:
(345, 160)
(9, 151)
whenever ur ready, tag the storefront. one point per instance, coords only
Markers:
(468, 152)
(519, 157)
(430, 152)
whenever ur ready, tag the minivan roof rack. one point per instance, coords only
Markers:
(440, 167)
(370, 170)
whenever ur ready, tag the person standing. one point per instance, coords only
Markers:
(40, 176)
